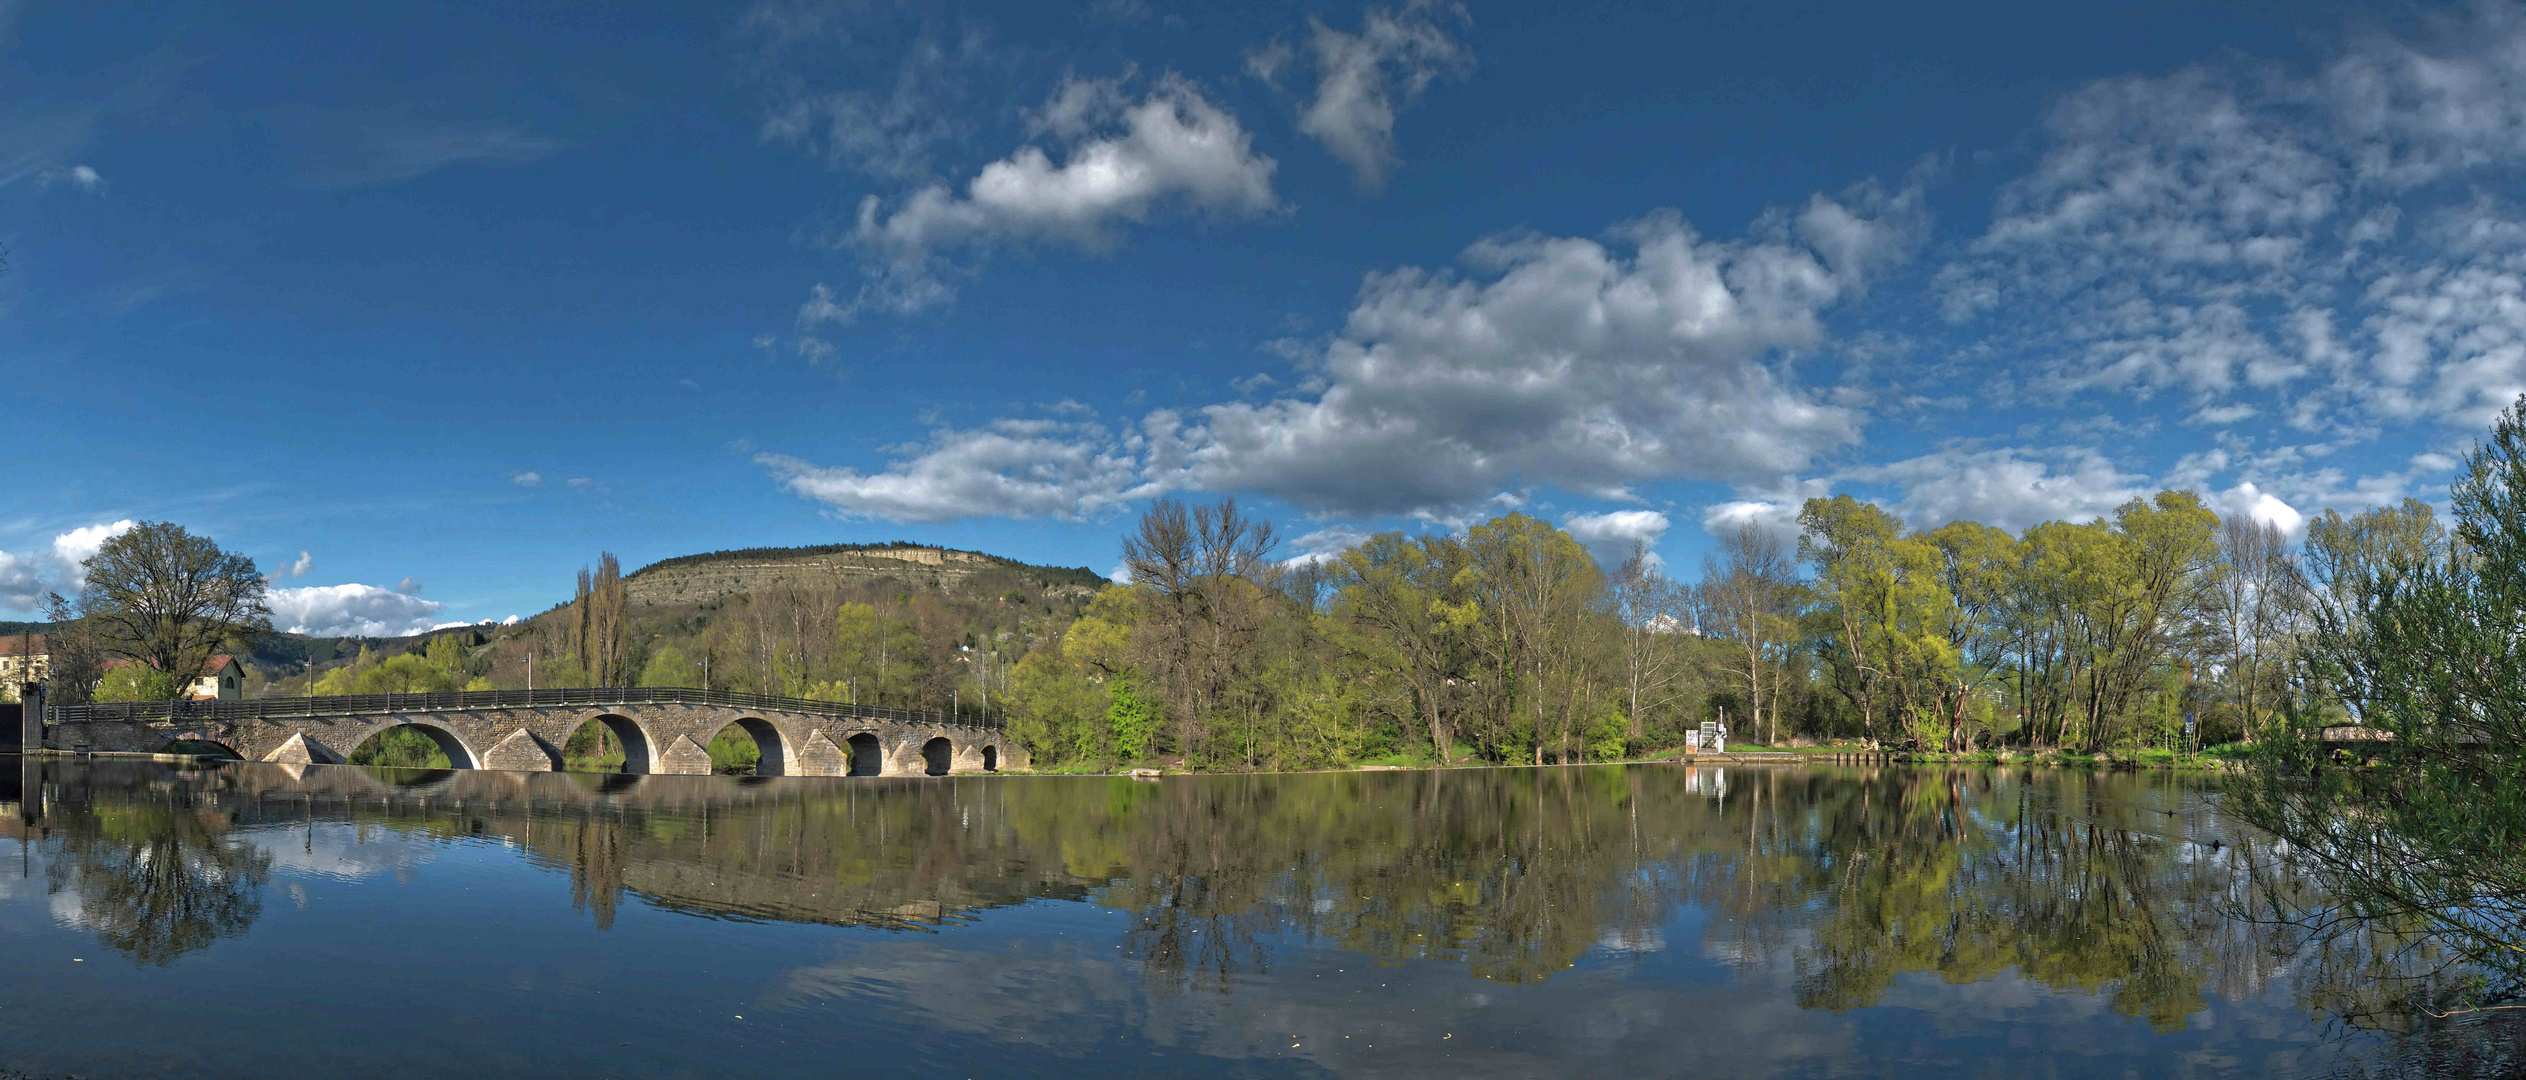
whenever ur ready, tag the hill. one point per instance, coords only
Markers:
(702, 579)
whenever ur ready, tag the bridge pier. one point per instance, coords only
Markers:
(522, 751)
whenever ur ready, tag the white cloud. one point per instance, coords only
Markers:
(1324, 545)
(2262, 506)
(891, 130)
(351, 611)
(299, 568)
(82, 177)
(25, 579)
(1011, 468)
(579, 481)
(77, 545)
(409, 586)
(2232, 231)
(22, 588)
(1609, 536)
(2008, 488)
(1584, 364)
(1122, 163)
(528, 479)
(1364, 79)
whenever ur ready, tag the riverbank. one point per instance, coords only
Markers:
(2217, 759)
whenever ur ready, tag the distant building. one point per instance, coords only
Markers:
(24, 658)
(222, 679)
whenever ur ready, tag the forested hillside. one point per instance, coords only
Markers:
(899, 625)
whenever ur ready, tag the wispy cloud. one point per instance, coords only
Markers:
(344, 149)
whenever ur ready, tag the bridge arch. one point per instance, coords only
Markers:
(640, 754)
(938, 756)
(991, 758)
(198, 746)
(771, 746)
(460, 753)
(867, 756)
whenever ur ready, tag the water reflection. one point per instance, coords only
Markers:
(1843, 887)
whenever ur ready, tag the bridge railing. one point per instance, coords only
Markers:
(352, 704)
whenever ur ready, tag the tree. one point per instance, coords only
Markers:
(1743, 594)
(601, 624)
(1851, 544)
(2422, 643)
(1396, 595)
(2248, 600)
(1652, 608)
(1209, 570)
(171, 600)
(78, 658)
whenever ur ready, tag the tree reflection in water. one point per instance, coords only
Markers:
(153, 879)
(2131, 888)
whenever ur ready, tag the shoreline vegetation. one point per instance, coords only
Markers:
(2222, 759)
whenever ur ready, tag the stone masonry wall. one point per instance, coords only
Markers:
(665, 739)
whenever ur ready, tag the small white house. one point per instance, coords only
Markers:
(223, 679)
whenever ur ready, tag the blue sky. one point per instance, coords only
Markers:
(424, 305)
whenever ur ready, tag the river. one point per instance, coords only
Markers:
(1657, 920)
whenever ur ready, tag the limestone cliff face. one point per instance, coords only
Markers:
(700, 579)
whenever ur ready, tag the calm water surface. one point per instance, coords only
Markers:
(260, 920)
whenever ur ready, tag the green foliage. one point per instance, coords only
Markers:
(1130, 721)
(670, 667)
(1607, 736)
(405, 674)
(734, 751)
(133, 681)
(2420, 639)
(592, 748)
(402, 747)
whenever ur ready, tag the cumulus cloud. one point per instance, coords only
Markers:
(1020, 468)
(1363, 79)
(2010, 488)
(1591, 365)
(1587, 364)
(77, 545)
(2263, 506)
(299, 568)
(21, 585)
(1325, 545)
(2229, 232)
(351, 611)
(25, 579)
(1609, 536)
(1122, 162)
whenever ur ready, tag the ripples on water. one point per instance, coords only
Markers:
(254, 920)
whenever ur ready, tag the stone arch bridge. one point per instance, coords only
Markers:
(662, 730)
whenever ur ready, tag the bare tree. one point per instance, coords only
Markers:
(2249, 603)
(169, 599)
(1652, 608)
(76, 660)
(1743, 591)
(1208, 569)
